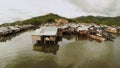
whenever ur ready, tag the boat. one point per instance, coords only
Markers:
(97, 37)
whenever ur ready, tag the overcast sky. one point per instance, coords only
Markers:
(13, 10)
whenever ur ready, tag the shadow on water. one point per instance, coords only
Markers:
(30, 60)
(46, 48)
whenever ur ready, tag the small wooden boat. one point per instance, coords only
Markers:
(97, 37)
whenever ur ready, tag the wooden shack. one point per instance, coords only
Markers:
(93, 30)
(83, 30)
(111, 30)
(46, 35)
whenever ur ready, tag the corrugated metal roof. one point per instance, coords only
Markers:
(83, 27)
(46, 31)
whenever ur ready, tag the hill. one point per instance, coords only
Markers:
(98, 20)
(37, 20)
(84, 19)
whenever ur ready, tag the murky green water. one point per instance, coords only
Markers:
(19, 52)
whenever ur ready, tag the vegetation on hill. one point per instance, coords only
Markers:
(36, 20)
(98, 20)
(83, 19)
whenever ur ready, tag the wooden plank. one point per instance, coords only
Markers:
(36, 37)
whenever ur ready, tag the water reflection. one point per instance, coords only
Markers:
(11, 36)
(75, 37)
(46, 48)
(86, 54)
(79, 38)
(72, 52)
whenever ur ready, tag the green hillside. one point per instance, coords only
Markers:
(37, 20)
(83, 19)
(98, 20)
